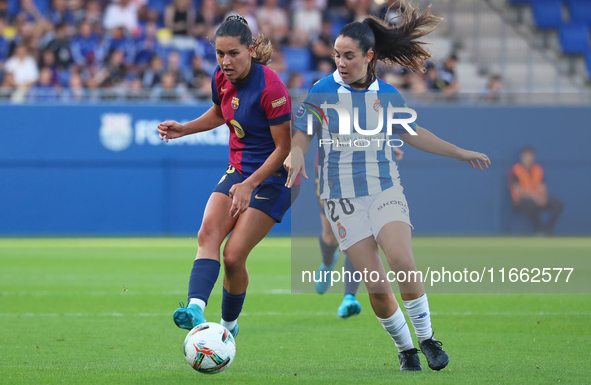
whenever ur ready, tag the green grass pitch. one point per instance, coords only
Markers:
(99, 311)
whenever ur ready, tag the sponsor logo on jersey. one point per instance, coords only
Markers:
(279, 102)
(235, 103)
(223, 89)
(237, 129)
(116, 133)
(258, 197)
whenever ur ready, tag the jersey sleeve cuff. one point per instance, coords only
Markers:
(280, 119)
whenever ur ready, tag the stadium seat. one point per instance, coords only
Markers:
(588, 60)
(520, 2)
(580, 11)
(547, 14)
(298, 59)
(574, 39)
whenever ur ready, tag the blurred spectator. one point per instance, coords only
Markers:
(207, 19)
(147, 45)
(277, 63)
(47, 60)
(295, 81)
(93, 12)
(60, 46)
(530, 194)
(59, 14)
(168, 90)
(322, 46)
(122, 13)
(86, 46)
(3, 44)
(44, 90)
(151, 77)
(198, 74)
(3, 10)
(174, 66)
(76, 90)
(77, 11)
(432, 80)
(135, 90)
(29, 11)
(23, 67)
(179, 17)
(273, 21)
(391, 9)
(362, 10)
(113, 73)
(244, 8)
(447, 74)
(7, 86)
(307, 21)
(117, 39)
(492, 90)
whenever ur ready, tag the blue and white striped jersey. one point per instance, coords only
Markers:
(353, 165)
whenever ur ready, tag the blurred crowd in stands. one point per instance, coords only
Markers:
(162, 50)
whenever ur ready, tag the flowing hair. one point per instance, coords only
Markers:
(237, 26)
(393, 44)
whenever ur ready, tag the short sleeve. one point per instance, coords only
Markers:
(301, 118)
(214, 92)
(276, 103)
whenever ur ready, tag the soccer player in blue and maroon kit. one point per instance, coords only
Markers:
(251, 197)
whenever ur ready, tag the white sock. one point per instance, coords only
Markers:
(228, 324)
(398, 329)
(420, 316)
(198, 302)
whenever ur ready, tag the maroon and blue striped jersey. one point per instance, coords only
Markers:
(250, 108)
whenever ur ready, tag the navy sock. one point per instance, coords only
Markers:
(203, 277)
(327, 252)
(232, 305)
(351, 285)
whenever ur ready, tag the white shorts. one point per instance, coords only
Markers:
(354, 219)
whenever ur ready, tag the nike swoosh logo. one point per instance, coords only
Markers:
(224, 89)
(258, 197)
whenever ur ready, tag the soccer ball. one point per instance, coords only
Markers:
(209, 348)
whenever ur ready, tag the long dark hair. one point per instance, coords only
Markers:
(237, 26)
(393, 44)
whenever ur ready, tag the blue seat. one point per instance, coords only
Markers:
(580, 11)
(547, 14)
(298, 59)
(574, 39)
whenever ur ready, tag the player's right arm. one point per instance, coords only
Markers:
(294, 163)
(211, 119)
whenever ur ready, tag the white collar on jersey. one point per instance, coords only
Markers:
(337, 78)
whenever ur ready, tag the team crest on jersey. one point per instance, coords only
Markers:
(235, 102)
(237, 129)
(377, 105)
(341, 230)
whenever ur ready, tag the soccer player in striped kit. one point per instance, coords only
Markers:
(363, 196)
(250, 197)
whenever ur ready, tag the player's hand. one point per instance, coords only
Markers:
(294, 163)
(474, 159)
(398, 153)
(170, 130)
(240, 194)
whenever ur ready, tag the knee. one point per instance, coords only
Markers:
(381, 297)
(403, 261)
(208, 236)
(233, 261)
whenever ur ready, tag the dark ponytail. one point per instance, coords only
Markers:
(237, 26)
(393, 44)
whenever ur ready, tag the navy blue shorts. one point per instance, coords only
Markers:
(273, 199)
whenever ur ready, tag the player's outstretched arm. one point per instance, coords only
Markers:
(211, 119)
(294, 163)
(428, 142)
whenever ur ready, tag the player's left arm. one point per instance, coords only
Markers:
(428, 142)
